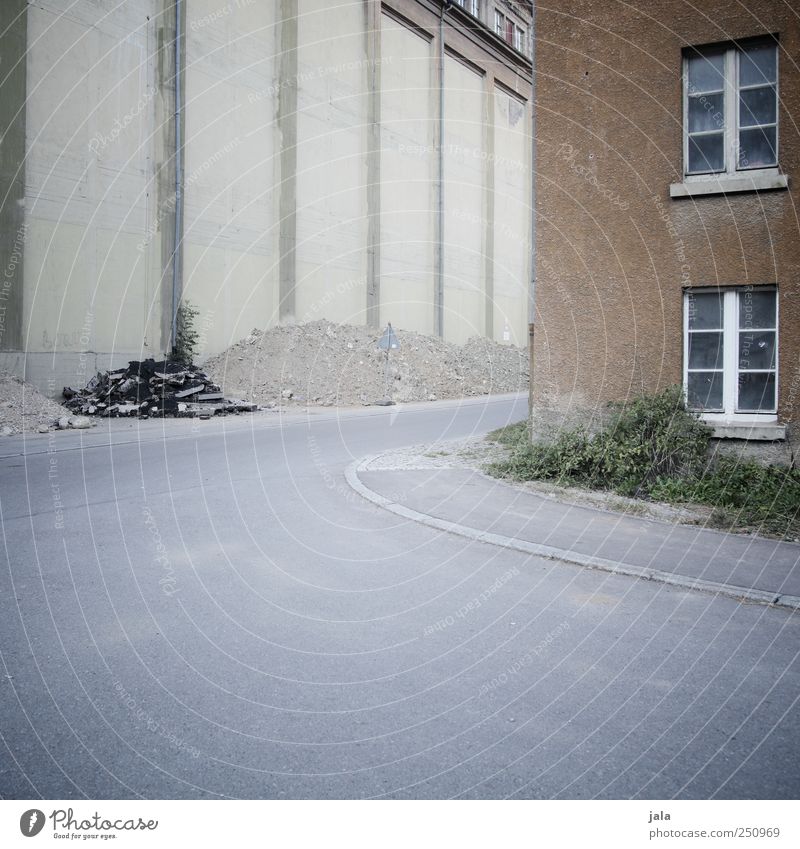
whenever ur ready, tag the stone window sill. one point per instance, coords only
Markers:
(726, 185)
(755, 431)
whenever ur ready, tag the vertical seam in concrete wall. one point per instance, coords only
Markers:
(532, 289)
(287, 145)
(489, 189)
(13, 100)
(532, 248)
(372, 10)
(180, 129)
(438, 281)
(166, 197)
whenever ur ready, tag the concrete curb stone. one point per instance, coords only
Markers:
(561, 554)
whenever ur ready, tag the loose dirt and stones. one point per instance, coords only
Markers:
(327, 364)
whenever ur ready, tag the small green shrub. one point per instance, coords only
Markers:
(572, 456)
(652, 437)
(646, 439)
(744, 494)
(653, 447)
(185, 343)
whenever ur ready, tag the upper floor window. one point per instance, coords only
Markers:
(500, 23)
(731, 108)
(472, 6)
(510, 32)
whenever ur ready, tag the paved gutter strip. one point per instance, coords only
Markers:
(562, 554)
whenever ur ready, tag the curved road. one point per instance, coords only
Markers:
(207, 609)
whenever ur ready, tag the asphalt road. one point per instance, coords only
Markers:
(216, 614)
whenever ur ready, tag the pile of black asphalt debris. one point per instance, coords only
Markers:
(150, 389)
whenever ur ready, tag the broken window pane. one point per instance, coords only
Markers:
(757, 350)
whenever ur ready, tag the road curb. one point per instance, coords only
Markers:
(576, 558)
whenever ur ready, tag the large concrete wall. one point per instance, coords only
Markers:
(408, 177)
(510, 231)
(232, 169)
(614, 250)
(13, 79)
(91, 272)
(333, 80)
(309, 138)
(316, 173)
(464, 201)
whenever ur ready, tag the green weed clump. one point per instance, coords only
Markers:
(656, 449)
(745, 495)
(186, 337)
(646, 439)
(510, 435)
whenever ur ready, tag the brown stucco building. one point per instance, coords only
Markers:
(668, 241)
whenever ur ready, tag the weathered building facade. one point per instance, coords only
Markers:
(668, 243)
(361, 161)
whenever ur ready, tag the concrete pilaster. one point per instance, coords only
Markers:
(169, 203)
(287, 84)
(372, 30)
(13, 73)
(489, 201)
(438, 223)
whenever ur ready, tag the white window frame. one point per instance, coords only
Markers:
(731, 89)
(519, 38)
(472, 6)
(730, 356)
(500, 24)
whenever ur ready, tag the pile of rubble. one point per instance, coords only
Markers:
(326, 364)
(23, 409)
(148, 389)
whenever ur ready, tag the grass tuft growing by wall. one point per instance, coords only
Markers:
(654, 448)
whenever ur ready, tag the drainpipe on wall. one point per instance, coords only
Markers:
(532, 291)
(176, 247)
(439, 295)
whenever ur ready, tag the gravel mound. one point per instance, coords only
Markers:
(23, 408)
(327, 364)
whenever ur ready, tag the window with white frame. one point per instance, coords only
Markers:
(731, 108)
(472, 6)
(500, 23)
(731, 352)
(510, 32)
